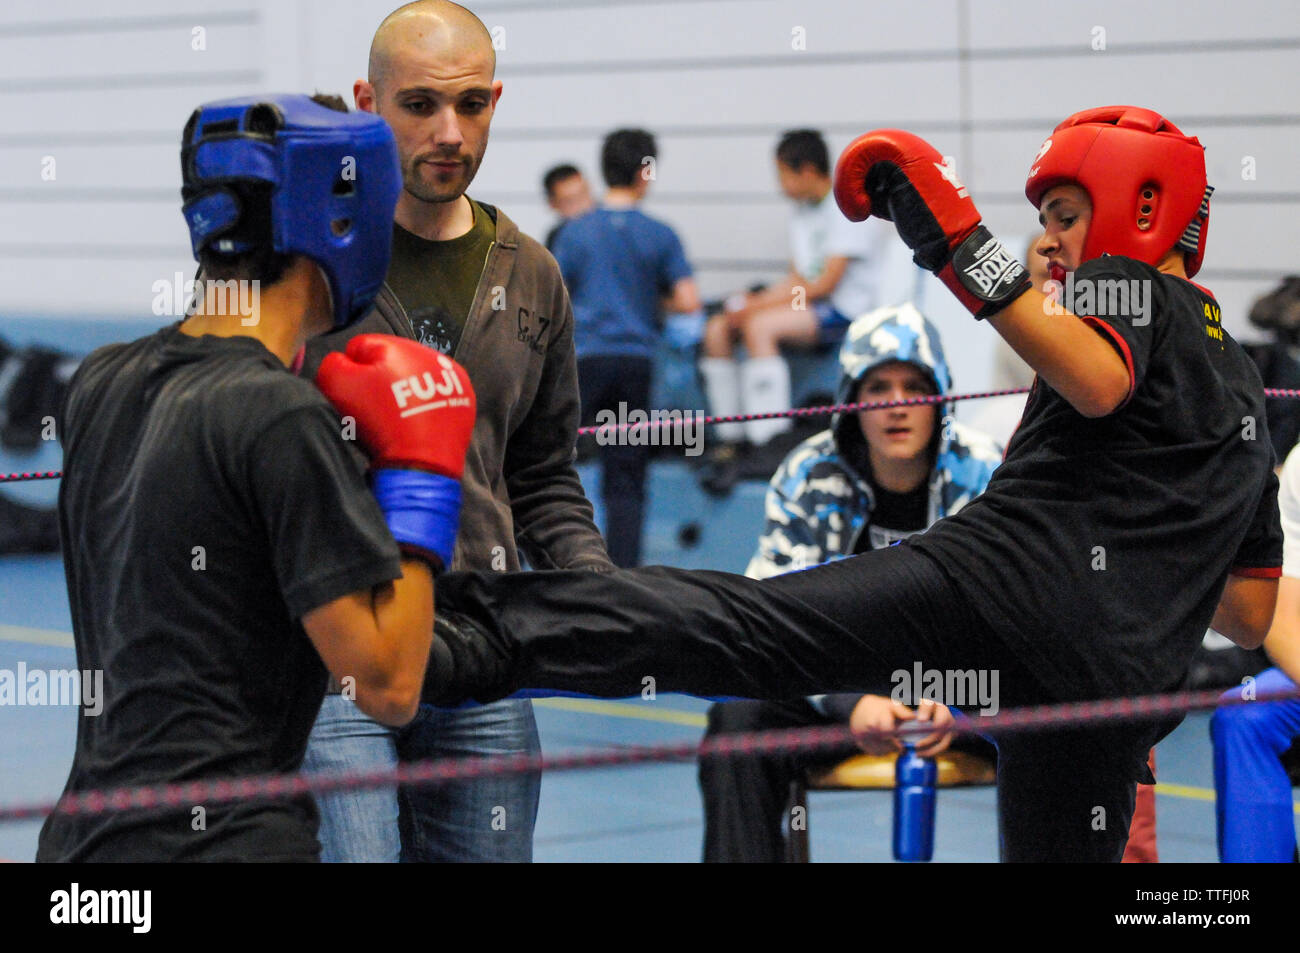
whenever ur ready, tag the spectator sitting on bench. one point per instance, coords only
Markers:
(871, 479)
(835, 275)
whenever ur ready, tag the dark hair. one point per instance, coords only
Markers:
(624, 155)
(260, 263)
(1279, 310)
(557, 174)
(330, 101)
(799, 147)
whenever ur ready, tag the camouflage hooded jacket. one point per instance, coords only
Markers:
(820, 500)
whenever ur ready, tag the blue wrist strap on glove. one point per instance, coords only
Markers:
(422, 510)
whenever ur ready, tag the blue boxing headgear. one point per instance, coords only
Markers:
(328, 180)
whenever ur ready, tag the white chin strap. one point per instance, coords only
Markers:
(329, 292)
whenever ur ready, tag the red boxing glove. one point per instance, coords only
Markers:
(901, 178)
(414, 407)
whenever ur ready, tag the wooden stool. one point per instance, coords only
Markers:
(870, 772)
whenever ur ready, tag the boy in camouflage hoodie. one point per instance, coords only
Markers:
(868, 480)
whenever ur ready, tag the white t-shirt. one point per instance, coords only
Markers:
(1288, 503)
(871, 279)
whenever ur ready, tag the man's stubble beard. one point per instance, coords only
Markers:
(434, 193)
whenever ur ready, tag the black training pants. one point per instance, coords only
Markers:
(848, 625)
(746, 797)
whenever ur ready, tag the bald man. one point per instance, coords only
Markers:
(466, 281)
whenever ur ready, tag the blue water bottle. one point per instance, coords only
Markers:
(914, 779)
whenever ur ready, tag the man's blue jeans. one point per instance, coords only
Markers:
(487, 819)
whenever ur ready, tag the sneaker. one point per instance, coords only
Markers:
(465, 666)
(722, 468)
(764, 460)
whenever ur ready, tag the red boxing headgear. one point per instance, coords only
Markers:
(1145, 178)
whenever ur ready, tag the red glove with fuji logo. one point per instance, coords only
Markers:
(901, 178)
(414, 409)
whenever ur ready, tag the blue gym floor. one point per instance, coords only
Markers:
(612, 814)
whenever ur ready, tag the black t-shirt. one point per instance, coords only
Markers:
(208, 501)
(895, 516)
(1101, 547)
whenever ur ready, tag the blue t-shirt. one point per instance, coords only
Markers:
(618, 264)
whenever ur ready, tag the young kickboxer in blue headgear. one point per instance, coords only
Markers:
(222, 547)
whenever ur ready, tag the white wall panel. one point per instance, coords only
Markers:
(87, 116)
(1243, 237)
(730, 96)
(88, 59)
(120, 224)
(1002, 159)
(1019, 24)
(118, 167)
(105, 89)
(1174, 84)
(617, 33)
(86, 283)
(46, 17)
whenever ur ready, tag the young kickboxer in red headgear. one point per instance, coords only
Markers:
(1136, 503)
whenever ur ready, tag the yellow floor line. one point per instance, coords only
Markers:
(1194, 793)
(1185, 791)
(594, 706)
(19, 633)
(698, 720)
(586, 706)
